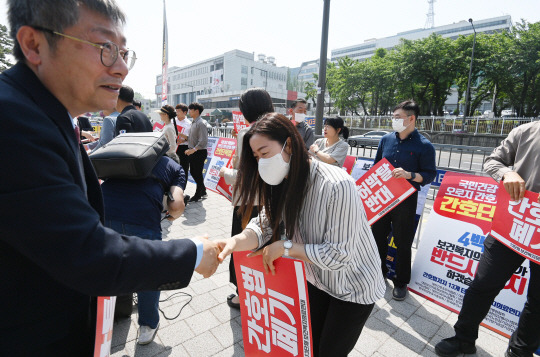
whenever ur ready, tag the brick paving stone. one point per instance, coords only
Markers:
(202, 345)
(175, 334)
(202, 322)
(422, 326)
(224, 312)
(228, 333)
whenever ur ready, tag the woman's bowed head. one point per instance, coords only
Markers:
(274, 168)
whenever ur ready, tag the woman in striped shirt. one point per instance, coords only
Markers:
(325, 226)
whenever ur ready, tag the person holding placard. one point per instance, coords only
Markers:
(520, 150)
(413, 157)
(310, 211)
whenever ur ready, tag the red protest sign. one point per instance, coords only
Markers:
(469, 200)
(104, 325)
(274, 308)
(222, 187)
(349, 163)
(516, 224)
(239, 121)
(157, 127)
(379, 192)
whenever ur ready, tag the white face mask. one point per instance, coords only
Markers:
(273, 170)
(397, 125)
(299, 117)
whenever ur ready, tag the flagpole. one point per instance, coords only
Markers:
(165, 58)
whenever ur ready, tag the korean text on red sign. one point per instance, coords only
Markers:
(517, 224)
(274, 308)
(380, 192)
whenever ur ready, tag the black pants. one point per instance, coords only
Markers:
(335, 324)
(236, 229)
(196, 164)
(401, 221)
(184, 159)
(496, 266)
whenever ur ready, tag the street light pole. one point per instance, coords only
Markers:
(468, 95)
(322, 69)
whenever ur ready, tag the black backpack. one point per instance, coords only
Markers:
(129, 156)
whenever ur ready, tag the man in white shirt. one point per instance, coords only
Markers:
(184, 126)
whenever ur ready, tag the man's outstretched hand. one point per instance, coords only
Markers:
(209, 262)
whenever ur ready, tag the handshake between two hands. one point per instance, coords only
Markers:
(214, 252)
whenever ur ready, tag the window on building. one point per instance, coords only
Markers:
(244, 70)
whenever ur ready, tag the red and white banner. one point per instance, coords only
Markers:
(157, 127)
(349, 163)
(274, 308)
(104, 326)
(222, 186)
(516, 224)
(380, 192)
(452, 244)
(218, 158)
(239, 121)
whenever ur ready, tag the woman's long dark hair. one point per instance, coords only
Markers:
(283, 200)
(337, 123)
(171, 113)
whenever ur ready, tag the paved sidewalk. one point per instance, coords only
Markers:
(208, 327)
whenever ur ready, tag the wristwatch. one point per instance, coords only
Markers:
(287, 245)
(413, 175)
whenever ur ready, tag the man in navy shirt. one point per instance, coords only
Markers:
(413, 157)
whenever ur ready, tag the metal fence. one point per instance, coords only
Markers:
(475, 125)
(459, 158)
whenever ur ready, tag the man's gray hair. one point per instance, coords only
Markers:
(55, 15)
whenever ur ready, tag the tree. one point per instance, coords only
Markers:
(6, 46)
(311, 93)
(523, 89)
(425, 70)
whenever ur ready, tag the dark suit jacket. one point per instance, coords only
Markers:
(84, 123)
(132, 121)
(55, 254)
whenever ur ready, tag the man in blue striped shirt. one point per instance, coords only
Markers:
(413, 157)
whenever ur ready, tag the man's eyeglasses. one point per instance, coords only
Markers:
(109, 50)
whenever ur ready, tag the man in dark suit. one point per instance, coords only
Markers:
(130, 119)
(55, 253)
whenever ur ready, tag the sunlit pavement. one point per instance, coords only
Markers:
(207, 326)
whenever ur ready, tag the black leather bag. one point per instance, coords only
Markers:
(129, 156)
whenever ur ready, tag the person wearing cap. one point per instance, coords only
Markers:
(167, 114)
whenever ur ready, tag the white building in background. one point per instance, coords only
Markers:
(218, 82)
(368, 48)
